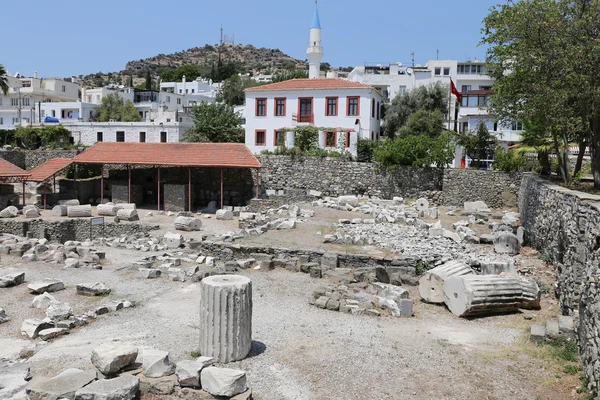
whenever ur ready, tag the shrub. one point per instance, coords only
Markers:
(508, 160)
(365, 150)
(418, 151)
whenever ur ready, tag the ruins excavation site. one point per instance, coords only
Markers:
(470, 285)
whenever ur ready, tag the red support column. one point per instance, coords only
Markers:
(75, 180)
(221, 188)
(45, 194)
(54, 183)
(23, 193)
(129, 184)
(102, 184)
(158, 200)
(189, 189)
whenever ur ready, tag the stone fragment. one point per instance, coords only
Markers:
(128, 214)
(422, 204)
(176, 274)
(125, 387)
(79, 211)
(565, 325)
(31, 213)
(223, 381)
(538, 333)
(11, 277)
(173, 240)
(148, 273)
(62, 386)
(552, 330)
(110, 358)
(58, 311)
(225, 317)
(224, 215)
(42, 301)
(9, 212)
(348, 201)
(46, 285)
(13, 379)
(475, 207)
(507, 243)
(156, 363)
(187, 224)
(32, 327)
(93, 289)
(52, 333)
(3, 317)
(71, 263)
(329, 261)
(286, 224)
(188, 371)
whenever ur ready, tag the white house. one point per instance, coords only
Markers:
(344, 110)
(193, 92)
(25, 96)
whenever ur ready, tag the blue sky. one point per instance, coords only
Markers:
(72, 37)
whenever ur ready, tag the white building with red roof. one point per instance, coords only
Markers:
(342, 111)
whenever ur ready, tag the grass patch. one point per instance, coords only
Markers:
(571, 369)
(195, 354)
(546, 256)
(422, 267)
(564, 350)
(544, 287)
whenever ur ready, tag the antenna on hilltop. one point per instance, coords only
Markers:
(413, 58)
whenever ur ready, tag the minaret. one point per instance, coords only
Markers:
(314, 52)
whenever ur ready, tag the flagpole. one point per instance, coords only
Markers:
(449, 101)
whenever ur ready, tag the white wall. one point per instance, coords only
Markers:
(87, 133)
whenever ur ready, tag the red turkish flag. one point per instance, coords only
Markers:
(455, 91)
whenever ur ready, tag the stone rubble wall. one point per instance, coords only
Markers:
(566, 224)
(70, 229)
(337, 177)
(29, 159)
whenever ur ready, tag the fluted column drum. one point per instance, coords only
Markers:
(225, 317)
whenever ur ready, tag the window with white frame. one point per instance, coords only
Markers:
(15, 121)
(26, 101)
(1, 121)
(516, 126)
(465, 88)
(14, 102)
(402, 89)
(446, 71)
(64, 88)
(438, 71)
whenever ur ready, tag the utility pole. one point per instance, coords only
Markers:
(19, 105)
(413, 58)
(438, 54)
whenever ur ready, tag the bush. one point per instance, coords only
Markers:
(365, 150)
(418, 151)
(508, 160)
(84, 171)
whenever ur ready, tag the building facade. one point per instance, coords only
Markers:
(22, 104)
(471, 80)
(343, 111)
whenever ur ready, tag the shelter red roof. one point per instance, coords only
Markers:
(235, 155)
(310, 84)
(49, 168)
(8, 170)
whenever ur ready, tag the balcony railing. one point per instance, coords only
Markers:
(303, 119)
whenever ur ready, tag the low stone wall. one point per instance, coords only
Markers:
(336, 177)
(29, 159)
(69, 229)
(566, 224)
(497, 188)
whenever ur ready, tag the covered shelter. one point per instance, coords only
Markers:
(48, 170)
(10, 173)
(185, 155)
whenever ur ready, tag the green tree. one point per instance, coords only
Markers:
(51, 136)
(478, 144)
(114, 108)
(544, 57)
(422, 142)
(190, 71)
(215, 122)
(325, 66)
(430, 98)
(423, 122)
(3, 80)
(148, 80)
(232, 91)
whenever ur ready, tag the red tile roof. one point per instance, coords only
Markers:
(310, 84)
(8, 170)
(49, 168)
(235, 155)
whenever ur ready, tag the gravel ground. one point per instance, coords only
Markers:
(300, 351)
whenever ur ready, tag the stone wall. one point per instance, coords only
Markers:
(69, 229)
(336, 177)
(29, 159)
(566, 224)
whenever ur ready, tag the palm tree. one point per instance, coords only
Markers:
(3, 80)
